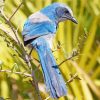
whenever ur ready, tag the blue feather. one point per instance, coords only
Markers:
(52, 76)
(32, 30)
(39, 28)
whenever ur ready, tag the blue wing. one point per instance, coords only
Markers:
(33, 30)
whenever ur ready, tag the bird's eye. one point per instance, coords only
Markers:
(66, 11)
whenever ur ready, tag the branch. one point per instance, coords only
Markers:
(47, 98)
(87, 78)
(34, 81)
(16, 11)
(74, 53)
(75, 76)
(10, 25)
(36, 85)
(58, 47)
(20, 73)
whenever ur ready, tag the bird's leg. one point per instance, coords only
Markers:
(30, 51)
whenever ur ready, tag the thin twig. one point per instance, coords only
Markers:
(37, 68)
(20, 73)
(34, 81)
(47, 98)
(70, 57)
(15, 11)
(9, 23)
(30, 51)
(87, 79)
(73, 55)
(65, 60)
(75, 76)
(36, 85)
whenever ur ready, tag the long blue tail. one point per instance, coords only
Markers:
(52, 76)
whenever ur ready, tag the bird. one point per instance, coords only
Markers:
(39, 30)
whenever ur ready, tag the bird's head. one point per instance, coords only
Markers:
(59, 12)
(63, 13)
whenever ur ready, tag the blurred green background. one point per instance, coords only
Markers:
(85, 37)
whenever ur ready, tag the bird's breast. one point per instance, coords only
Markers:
(49, 38)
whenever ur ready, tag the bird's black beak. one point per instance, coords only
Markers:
(69, 17)
(73, 20)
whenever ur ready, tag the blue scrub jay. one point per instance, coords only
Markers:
(39, 30)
